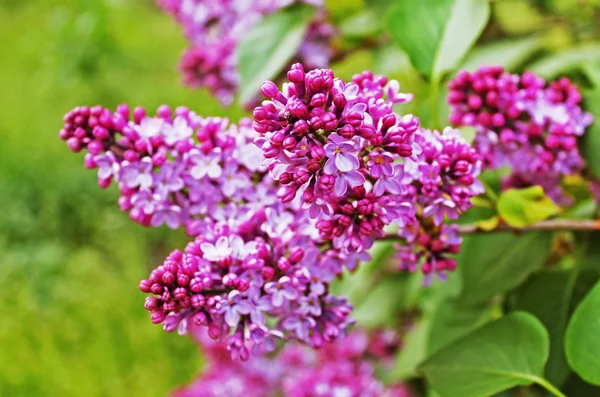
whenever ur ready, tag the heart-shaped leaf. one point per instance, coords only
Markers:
(436, 34)
(508, 352)
(267, 48)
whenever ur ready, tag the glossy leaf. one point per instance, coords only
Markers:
(591, 140)
(582, 344)
(565, 61)
(548, 296)
(266, 49)
(494, 263)
(436, 34)
(524, 207)
(507, 53)
(508, 352)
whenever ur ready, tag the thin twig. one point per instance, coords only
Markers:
(549, 225)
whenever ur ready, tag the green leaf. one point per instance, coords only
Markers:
(591, 139)
(524, 207)
(494, 263)
(508, 352)
(582, 344)
(507, 53)
(566, 61)
(382, 303)
(592, 71)
(266, 49)
(452, 321)
(467, 133)
(436, 34)
(548, 296)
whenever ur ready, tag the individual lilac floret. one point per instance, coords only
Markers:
(214, 28)
(523, 122)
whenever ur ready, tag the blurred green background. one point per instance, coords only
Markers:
(70, 261)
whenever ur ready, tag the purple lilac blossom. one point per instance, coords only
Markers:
(213, 29)
(175, 168)
(523, 122)
(344, 368)
(357, 166)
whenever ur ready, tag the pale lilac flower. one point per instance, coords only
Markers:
(206, 164)
(341, 155)
(218, 251)
(233, 307)
(281, 291)
(344, 180)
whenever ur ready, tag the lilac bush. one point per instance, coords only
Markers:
(334, 195)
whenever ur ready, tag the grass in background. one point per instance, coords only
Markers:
(73, 321)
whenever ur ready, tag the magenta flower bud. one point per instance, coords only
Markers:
(267, 273)
(317, 153)
(283, 264)
(285, 178)
(298, 109)
(138, 114)
(157, 317)
(468, 119)
(455, 96)
(296, 73)
(168, 278)
(348, 209)
(156, 289)
(404, 150)
(301, 127)
(242, 285)
(286, 194)
(344, 220)
(316, 123)
(123, 110)
(289, 143)
(309, 195)
(95, 147)
(145, 286)
(269, 89)
(340, 101)
(64, 134)
(498, 120)
(214, 331)
(80, 133)
(229, 279)
(313, 166)
(131, 155)
(196, 284)
(475, 102)
(301, 177)
(74, 144)
(179, 293)
(183, 279)
(270, 151)
(318, 100)
(164, 112)
(296, 255)
(347, 131)
(197, 301)
(200, 319)
(151, 303)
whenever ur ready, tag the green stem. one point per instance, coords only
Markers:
(435, 103)
(547, 385)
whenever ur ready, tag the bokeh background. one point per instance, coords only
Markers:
(72, 319)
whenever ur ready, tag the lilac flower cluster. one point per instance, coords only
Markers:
(522, 122)
(356, 165)
(176, 167)
(340, 369)
(235, 276)
(213, 29)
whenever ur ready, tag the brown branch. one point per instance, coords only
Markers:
(549, 225)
